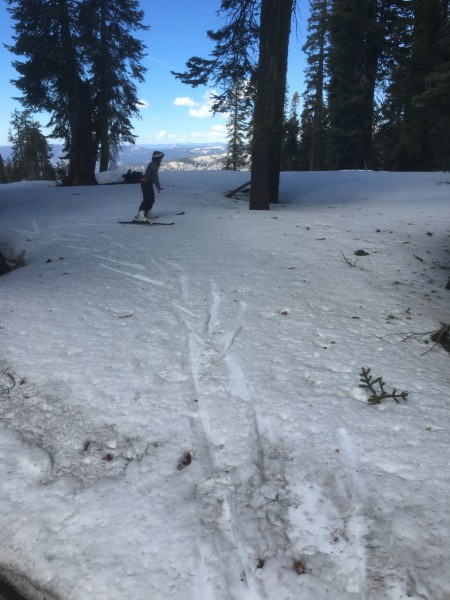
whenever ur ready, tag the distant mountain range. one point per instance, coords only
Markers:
(177, 156)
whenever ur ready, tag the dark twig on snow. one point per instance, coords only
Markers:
(441, 336)
(348, 261)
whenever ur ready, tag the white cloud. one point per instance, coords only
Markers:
(184, 101)
(198, 110)
(203, 112)
(143, 104)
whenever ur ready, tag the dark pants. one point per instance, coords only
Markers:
(148, 194)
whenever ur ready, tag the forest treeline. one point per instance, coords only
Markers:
(376, 87)
(376, 93)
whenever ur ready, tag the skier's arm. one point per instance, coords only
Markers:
(156, 179)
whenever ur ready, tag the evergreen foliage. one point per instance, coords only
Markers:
(355, 47)
(290, 150)
(3, 174)
(414, 149)
(377, 85)
(233, 60)
(237, 126)
(312, 146)
(107, 28)
(80, 65)
(377, 388)
(240, 45)
(31, 154)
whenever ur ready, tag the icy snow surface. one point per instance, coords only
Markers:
(180, 410)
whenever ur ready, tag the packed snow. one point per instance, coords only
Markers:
(181, 416)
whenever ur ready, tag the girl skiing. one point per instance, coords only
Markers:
(149, 179)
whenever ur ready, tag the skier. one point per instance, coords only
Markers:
(149, 179)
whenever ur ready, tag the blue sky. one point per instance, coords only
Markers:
(173, 112)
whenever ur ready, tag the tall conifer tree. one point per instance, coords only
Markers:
(268, 115)
(415, 151)
(233, 59)
(31, 153)
(355, 48)
(68, 47)
(237, 126)
(290, 155)
(232, 62)
(435, 99)
(107, 28)
(314, 111)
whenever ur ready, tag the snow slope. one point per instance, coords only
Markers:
(180, 410)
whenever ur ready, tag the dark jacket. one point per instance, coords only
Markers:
(151, 174)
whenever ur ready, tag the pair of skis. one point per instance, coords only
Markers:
(154, 222)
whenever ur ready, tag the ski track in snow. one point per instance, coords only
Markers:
(243, 508)
(137, 276)
(237, 536)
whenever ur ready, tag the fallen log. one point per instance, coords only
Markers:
(238, 189)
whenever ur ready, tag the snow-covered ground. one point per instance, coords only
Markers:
(180, 410)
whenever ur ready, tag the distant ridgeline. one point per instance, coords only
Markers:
(176, 156)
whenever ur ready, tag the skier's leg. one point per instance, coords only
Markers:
(148, 197)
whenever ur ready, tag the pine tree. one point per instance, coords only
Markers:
(107, 27)
(3, 174)
(51, 78)
(68, 47)
(396, 18)
(413, 131)
(313, 120)
(435, 101)
(230, 71)
(233, 61)
(424, 67)
(275, 27)
(237, 126)
(233, 58)
(31, 152)
(355, 48)
(290, 159)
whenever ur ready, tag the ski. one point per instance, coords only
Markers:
(153, 221)
(177, 214)
(145, 222)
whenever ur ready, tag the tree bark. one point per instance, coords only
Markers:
(103, 118)
(83, 150)
(269, 102)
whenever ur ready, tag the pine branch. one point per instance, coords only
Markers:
(378, 395)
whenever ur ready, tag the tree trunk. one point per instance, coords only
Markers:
(269, 102)
(283, 30)
(83, 150)
(103, 118)
(318, 130)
